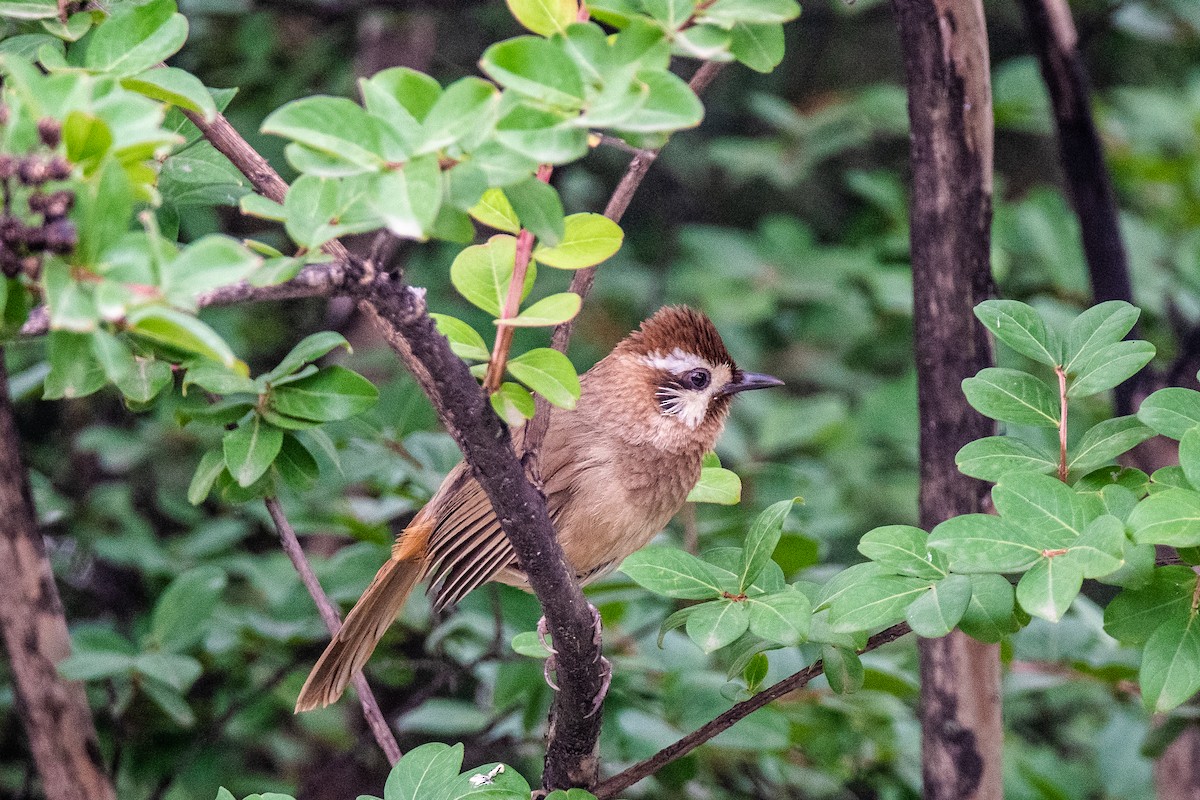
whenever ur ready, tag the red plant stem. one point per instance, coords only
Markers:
(512, 303)
(1062, 423)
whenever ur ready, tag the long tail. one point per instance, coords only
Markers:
(364, 627)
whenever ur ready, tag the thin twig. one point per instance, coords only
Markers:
(333, 621)
(1062, 423)
(623, 780)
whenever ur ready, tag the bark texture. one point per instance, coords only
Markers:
(950, 113)
(54, 711)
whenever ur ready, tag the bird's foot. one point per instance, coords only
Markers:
(542, 632)
(605, 682)
(550, 664)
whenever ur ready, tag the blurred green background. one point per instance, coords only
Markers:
(784, 217)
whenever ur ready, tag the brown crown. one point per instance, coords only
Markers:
(678, 326)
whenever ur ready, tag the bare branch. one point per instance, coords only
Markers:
(333, 621)
(623, 780)
(54, 711)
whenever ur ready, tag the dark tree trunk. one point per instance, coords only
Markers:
(950, 112)
(1052, 35)
(54, 711)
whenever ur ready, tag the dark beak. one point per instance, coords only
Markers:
(750, 380)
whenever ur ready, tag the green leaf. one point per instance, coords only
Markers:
(170, 701)
(993, 457)
(465, 109)
(424, 772)
(759, 47)
(1100, 550)
(103, 204)
(1049, 587)
(296, 465)
(588, 239)
(250, 448)
(1097, 328)
(481, 273)
(513, 404)
(989, 615)
(464, 340)
(539, 208)
(309, 349)
(545, 17)
(255, 205)
(877, 604)
(528, 644)
(981, 543)
(29, 9)
(843, 669)
(718, 623)
(407, 199)
(782, 617)
(1020, 327)
(936, 612)
(552, 310)
(761, 541)
(528, 136)
(181, 616)
(1012, 396)
(718, 486)
(549, 373)
(672, 572)
(1047, 510)
(536, 68)
(72, 305)
(730, 12)
(670, 106)
(74, 371)
(673, 14)
(1170, 517)
(403, 97)
(333, 393)
(1172, 411)
(848, 581)
(145, 380)
(1109, 367)
(208, 263)
(1133, 615)
(134, 38)
(338, 128)
(494, 210)
(1105, 441)
(212, 464)
(1170, 672)
(175, 87)
(213, 377)
(179, 331)
(903, 549)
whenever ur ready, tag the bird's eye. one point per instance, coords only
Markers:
(698, 378)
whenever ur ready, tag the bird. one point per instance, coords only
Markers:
(614, 471)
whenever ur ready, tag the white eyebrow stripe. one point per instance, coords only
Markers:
(677, 361)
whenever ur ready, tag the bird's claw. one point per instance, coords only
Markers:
(542, 632)
(605, 682)
(547, 667)
(550, 664)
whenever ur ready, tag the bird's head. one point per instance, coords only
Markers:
(677, 380)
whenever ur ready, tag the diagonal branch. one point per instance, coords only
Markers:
(333, 621)
(623, 780)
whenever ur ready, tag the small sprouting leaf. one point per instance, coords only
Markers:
(1049, 587)
(549, 373)
(843, 669)
(1012, 396)
(936, 612)
(250, 448)
(494, 210)
(993, 457)
(465, 341)
(481, 273)
(513, 404)
(536, 68)
(212, 464)
(1172, 411)
(1097, 328)
(717, 623)
(1109, 367)
(1020, 327)
(716, 485)
(1170, 672)
(672, 572)
(309, 349)
(761, 541)
(545, 17)
(1105, 441)
(553, 310)
(1170, 517)
(588, 239)
(332, 393)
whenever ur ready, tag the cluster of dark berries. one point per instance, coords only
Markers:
(22, 241)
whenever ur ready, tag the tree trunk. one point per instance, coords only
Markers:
(55, 713)
(950, 113)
